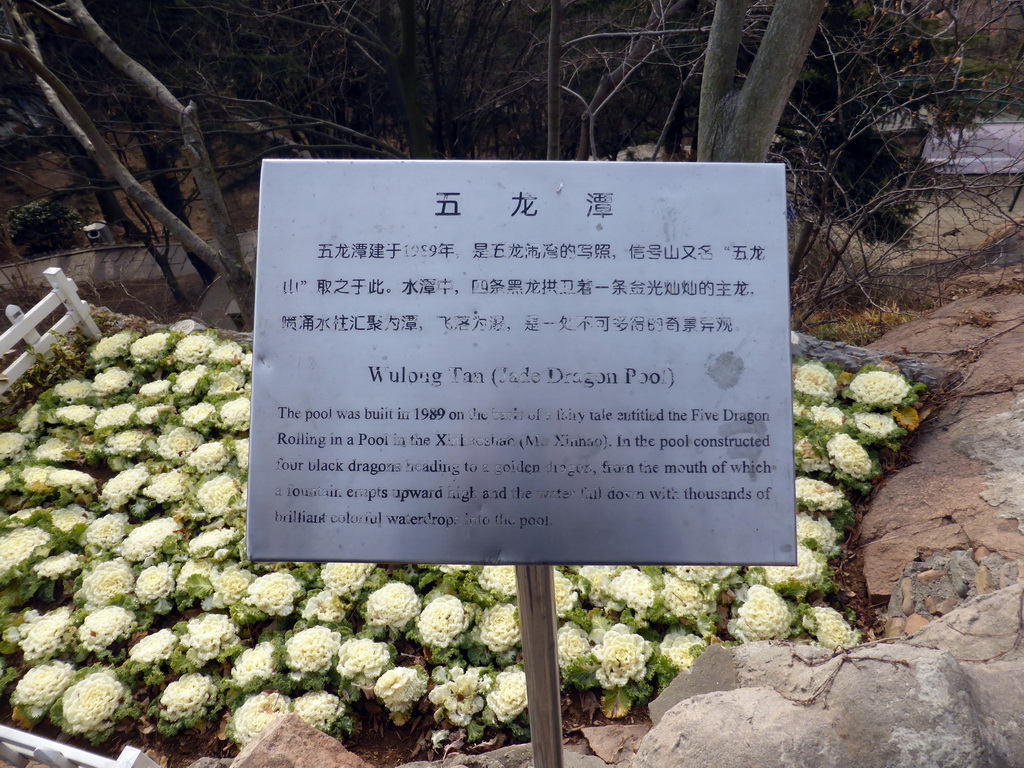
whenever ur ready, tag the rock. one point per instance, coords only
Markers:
(740, 729)
(714, 670)
(894, 627)
(615, 743)
(915, 622)
(909, 598)
(927, 577)
(517, 756)
(986, 627)
(212, 762)
(291, 743)
(876, 706)
(983, 581)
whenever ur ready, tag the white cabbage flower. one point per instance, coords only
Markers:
(274, 594)
(66, 519)
(47, 635)
(187, 697)
(208, 636)
(820, 532)
(632, 588)
(155, 390)
(394, 605)
(242, 453)
(20, 545)
(144, 542)
(12, 444)
(227, 353)
(681, 648)
(72, 480)
(155, 648)
(178, 444)
(5, 479)
(319, 709)
(849, 456)
(254, 664)
(810, 570)
(60, 565)
(209, 457)
(623, 657)
(598, 576)
(401, 687)
(234, 414)
(816, 380)
(202, 568)
(168, 486)
(499, 580)
(90, 704)
(819, 495)
(74, 389)
(499, 627)
(507, 700)
(878, 425)
(325, 607)
(111, 381)
(111, 346)
(220, 496)
(828, 416)
(312, 650)
(75, 415)
(363, 661)
(150, 346)
(442, 621)
(573, 643)
(345, 579)
(685, 599)
(208, 542)
(198, 414)
(256, 713)
(807, 457)
(704, 573)
(104, 627)
(41, 686)
(107, 532)
(155, 583)
(29, 421)
(763, 616)
(106, 581)
(830, 628)
(879, 389)
(566, 596)
(227, 383)
(461, 696)
(194, 349)
(151, 413)
(124, 486)
(229, 586)
(186, 381)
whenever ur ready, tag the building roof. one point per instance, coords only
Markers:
(993, 147)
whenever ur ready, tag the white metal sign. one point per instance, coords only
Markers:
(520, 362)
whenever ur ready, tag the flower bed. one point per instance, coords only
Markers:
(123, 576)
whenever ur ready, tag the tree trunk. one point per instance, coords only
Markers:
(738, 125)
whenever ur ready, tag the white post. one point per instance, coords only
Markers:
(66, 289)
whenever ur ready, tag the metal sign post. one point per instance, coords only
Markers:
(539, 625)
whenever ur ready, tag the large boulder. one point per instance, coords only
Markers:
(950, 696)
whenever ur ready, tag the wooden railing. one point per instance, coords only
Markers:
(24, 326)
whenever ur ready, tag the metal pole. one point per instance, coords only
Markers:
(539, 625)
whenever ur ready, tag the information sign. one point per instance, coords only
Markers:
(521, 362)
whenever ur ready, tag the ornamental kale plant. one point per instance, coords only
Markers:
(124, 582)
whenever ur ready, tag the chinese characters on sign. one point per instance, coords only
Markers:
(487, 362)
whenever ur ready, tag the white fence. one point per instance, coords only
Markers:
(18, 747)
(24, 326)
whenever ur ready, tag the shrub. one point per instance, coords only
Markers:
(42, 226)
